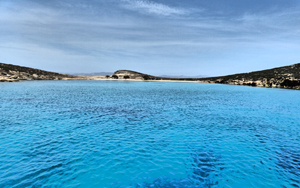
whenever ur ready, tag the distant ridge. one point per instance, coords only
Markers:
(13, 73)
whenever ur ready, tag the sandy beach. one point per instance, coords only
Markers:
(136, 80)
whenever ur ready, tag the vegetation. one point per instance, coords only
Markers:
(115, 76)
(280, 72)
(281, 77)
(126, 77)
(8, 67)
(146, 77)
(10, 72)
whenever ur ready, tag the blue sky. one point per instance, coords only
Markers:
(192, 37)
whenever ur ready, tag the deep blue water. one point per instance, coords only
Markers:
(148, 134)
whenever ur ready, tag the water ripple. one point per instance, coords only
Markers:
(135, 134)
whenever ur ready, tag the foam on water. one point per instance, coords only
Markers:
(147, 134)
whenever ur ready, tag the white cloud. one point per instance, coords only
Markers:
(149, 7)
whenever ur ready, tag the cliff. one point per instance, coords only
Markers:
(281, 77)
(14, 73)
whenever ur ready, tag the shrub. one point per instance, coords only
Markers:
(146, 77)
(115, 76)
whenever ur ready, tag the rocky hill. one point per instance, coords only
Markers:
(14, 73)
(281, 77)
(128, 74)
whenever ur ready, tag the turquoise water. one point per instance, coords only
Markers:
(148, 134)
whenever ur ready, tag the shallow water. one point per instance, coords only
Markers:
(147, 134)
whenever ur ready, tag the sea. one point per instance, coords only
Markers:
(148, 134)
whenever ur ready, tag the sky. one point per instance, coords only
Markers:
(158, 37)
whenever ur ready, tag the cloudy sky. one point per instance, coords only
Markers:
(174, 37)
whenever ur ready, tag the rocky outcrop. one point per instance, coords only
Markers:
(281, 77)
(14, 73)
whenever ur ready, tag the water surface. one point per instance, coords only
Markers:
(148, 134)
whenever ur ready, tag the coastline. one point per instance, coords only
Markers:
(179, 81)
(287, 77)
(102, 78)
(135, 80)
(98, 78)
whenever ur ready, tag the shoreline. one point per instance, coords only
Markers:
(103, 78)
(98, 78)
(287, 77)
(137, 80)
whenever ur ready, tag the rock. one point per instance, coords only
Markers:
(35, 76)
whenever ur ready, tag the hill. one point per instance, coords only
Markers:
(120, 74)
(13, 73)
(281, 77)
(123, 74)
